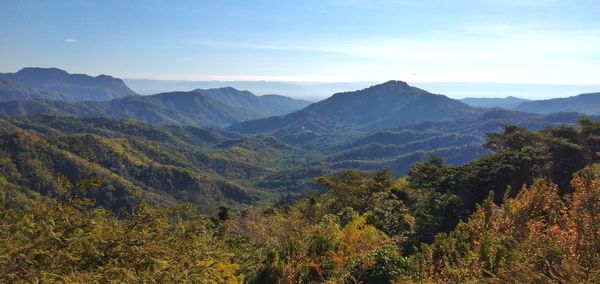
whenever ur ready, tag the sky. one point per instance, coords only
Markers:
(508, 41)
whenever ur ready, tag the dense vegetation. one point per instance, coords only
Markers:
(135, 162)
(527, 212)
(456, 141)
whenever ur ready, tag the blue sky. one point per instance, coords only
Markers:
(510, 41)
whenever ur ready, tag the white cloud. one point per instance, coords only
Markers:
(71, 40)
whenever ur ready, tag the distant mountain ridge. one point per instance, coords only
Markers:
(584, 103)
(78, 87)
(507, 102)
(390, 104)
(33, 91)
(213, 107)
(588, 103)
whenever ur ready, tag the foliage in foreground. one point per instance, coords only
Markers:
(538, 236)
(67, 241)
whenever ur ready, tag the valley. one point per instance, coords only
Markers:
(211, 147)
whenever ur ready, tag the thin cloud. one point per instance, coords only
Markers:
(71, 40)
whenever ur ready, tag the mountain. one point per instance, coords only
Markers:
(390, 104)
(212, 107)
(11, 91)
(508, 102)
(584, 103)
(79, 87)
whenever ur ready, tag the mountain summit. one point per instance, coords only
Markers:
(78, 87)
(390, 104)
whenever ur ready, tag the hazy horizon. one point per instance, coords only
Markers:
(318, 90)
(315, 91)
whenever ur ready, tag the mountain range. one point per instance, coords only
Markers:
(213, 107)
(224, 146)
(33, 91)
(345, 130)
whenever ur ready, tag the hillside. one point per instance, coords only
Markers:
(584, 103)
(78, 87)
(263, 106)
(455, 141)
(390, 104)
(212, 107)
(139, 162)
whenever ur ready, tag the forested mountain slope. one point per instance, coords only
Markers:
(138, 162)
(390, 104)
